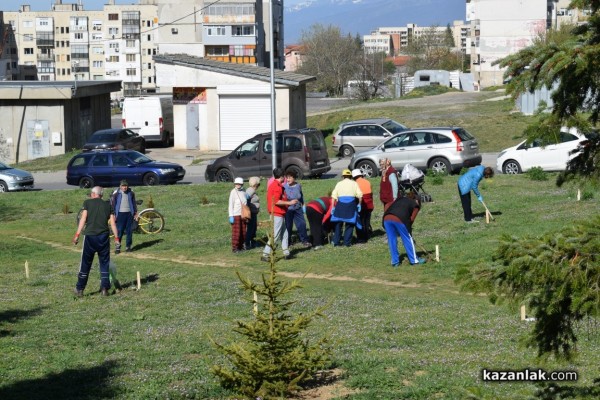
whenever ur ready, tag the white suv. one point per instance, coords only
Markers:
(442, 150)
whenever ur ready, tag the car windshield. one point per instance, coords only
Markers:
(139, 158)
(394, 127)
(4, 166)
(102, 138)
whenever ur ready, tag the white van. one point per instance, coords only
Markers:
(150, 116)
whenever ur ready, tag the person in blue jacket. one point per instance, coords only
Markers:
(125, 208)
(470, 181)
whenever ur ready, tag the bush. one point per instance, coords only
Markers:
(435, 178)
(537, 174)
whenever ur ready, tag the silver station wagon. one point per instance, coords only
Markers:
(443, 150)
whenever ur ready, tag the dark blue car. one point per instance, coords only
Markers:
(108, 168)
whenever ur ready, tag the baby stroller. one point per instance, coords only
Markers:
(413, 179)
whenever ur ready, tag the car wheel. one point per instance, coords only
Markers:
(86, 183)
(440, 166)
(346, 151)
(511, 167)
(3, 187)
(296, 169)
(368, 168)
(150, 179)
(223, 175)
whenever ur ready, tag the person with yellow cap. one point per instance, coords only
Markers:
(346, 205)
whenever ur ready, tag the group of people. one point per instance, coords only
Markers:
(349, 207)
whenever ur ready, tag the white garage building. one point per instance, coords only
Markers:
(218, 105)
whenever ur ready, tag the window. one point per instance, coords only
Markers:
(26, 24)
(78, 36)
(149, 38)
(217, 50)
(131, 72)
(441, 138)
(28, 50)
(120, 160)
(375, 130)
(130, 57)
(114, 59)
(101, 160)
(96, 36)
(242, 30)
(149, 65)
(249, 148)
(98, 64)
(292, 144)
(215, 31)
(113, 31)
(174, 31)
(28, 37)
(129, 43)
(113, 17)
(149, 79)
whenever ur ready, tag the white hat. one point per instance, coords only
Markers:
(356, 172)
(239, 180)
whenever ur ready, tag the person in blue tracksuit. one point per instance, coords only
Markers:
(125, 208)
(470, 181)
(398, 218)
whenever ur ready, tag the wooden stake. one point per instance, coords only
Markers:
(139, 281)
(487, 216)
(523, 314)
(437, 253)
(578, 195)
(27, 269)
(255, 303)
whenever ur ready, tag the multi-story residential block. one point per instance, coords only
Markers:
(9, 65)
(503, 27)
(120, 41)
(391, 40)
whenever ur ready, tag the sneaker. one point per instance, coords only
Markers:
(420, 260)
(117, 251)
(396, 265)
(307, 244)
(317, 247)
(265, 258)
(104, 292)
(471, 221)
(287, 256)
(128, 250)
(78, 293)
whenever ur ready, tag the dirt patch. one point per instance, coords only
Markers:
(332, 388)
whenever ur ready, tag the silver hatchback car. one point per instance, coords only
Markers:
(363, 134)
(443, 150)
(14, 179)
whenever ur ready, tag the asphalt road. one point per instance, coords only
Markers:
(195, 173)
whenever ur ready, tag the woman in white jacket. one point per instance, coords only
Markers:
(237, 197)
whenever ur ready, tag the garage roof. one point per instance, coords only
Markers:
(243, 70)
(56, 90)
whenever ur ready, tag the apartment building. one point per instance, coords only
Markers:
(391, 40)
(9, 62)
(503, 27)
(120, 41)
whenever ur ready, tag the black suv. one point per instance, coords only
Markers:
(301, 150)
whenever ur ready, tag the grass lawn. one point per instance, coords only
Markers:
(398, 334)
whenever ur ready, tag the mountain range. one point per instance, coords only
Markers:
(363, 16)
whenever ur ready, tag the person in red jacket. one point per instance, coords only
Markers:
(318, 212)
(388, 188)
(366, 207)
(277, 204)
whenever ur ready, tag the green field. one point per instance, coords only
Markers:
(408, 333)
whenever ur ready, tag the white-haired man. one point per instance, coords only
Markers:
(95, 219)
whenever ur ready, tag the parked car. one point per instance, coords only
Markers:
(548, 156)
(14, 179)
(107, 168)
(115, 139)
(443, 149)
(302, 150)
(364, 134)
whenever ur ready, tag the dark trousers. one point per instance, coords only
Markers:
(296, 217)
(465, 200)
(250, 241)
(347, 233)
(124, 223)
(93, 244)
(364, 233)
(315, 221)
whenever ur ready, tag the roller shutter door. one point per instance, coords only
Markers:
(242, 117)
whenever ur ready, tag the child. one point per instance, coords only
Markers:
(295, 213)
(254, 204)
